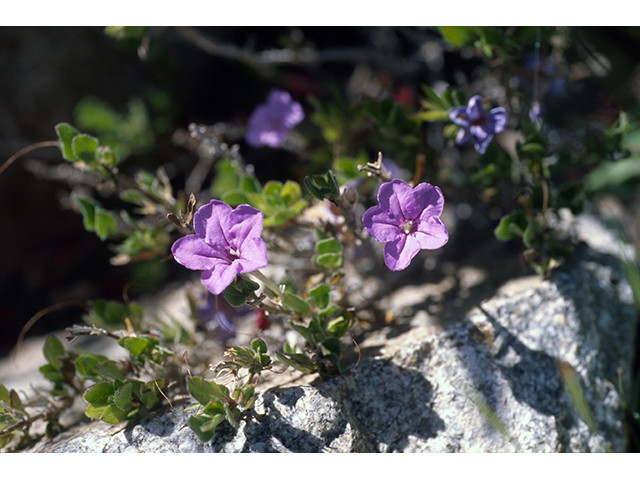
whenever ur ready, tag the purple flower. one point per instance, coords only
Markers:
(227, 242)
(270, 122)
(477, 124)
(407, 221)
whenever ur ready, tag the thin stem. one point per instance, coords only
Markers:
(25, 150)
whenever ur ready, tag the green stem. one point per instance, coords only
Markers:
(270, 284)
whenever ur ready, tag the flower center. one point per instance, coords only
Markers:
(234, 253)
(478, 121)
(275, 123)
(408, 226)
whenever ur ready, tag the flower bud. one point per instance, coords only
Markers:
(348, 197)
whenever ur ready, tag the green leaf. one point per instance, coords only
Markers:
(272, 190)
(249, 183)
(86, 364)
(320, 295)
(204, 426)
(458, 36)
(149, 399)
(88, 209)
(94, 411)
(234, 296)
(235, 198)
(328, 312)
(258, 345)
(52, 351)
(121, 33)
(323, 186)
(333, 345)
(339, 326)
(204, 391)
(109, 314)
(304, 331)
(4, 395)
(226, 178)
(105, 224)
(53, 375)
(66, 133)
(328, 245)
(138, 345)
(84, 148)
(96, 115)
(434, 115)
(298, 361)
(113, 415)
(511, 226)
(291, 192)
(612, 174)
(99, 394)
(329, 261)
(295, 303)
(106, 157)
(122, 397)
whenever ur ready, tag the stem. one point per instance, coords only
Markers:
(270, 284)
(25, 150)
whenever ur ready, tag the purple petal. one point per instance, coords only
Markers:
(410, 204)
(206, 222)
(242, 223)
(475, 110)
(254, 254)
(380, 225)
(399, 253)
(482, 139)
(431, 233)
(432, 198)
(220, 277)
(500, 119)
(464, 135)
(459, 116)
(192, 252)
(426, 198)
(391, 195)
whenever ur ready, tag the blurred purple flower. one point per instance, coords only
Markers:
(226, 242)
(270, 122)
(407, 221)
(217, 316)
(477, 124)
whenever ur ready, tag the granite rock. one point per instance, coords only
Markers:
(487, 381)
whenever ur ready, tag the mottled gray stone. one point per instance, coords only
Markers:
(446, 387)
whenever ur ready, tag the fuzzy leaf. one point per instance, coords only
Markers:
(84, 147)
(66, 133)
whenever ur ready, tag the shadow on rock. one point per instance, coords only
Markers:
(387, 404)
